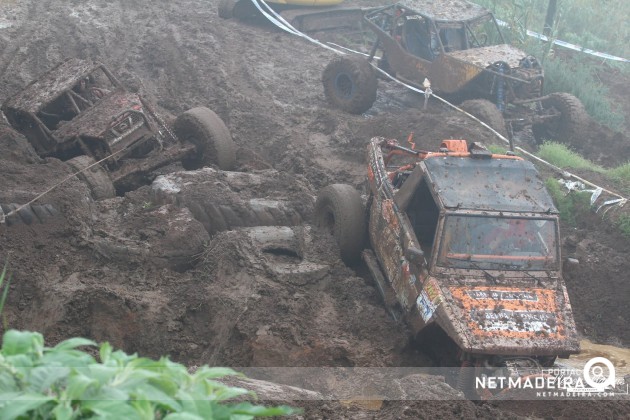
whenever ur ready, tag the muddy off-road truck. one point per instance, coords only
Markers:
(459, 48)
(465, 246)
(80, 113)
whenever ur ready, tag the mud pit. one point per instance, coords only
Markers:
(143, 272)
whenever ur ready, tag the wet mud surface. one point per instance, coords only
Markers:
(150, 273)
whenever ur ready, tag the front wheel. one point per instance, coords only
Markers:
(339, 209)
(214, 144)
(487, 112)
(350, 84)
(570, 122)
(96, 178)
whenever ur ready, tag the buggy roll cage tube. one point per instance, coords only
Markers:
(465, 23)
(397, 150)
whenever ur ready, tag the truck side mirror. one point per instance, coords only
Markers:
(414, 255)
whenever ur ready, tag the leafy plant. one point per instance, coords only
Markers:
(570, 205)
(63, 382)
(560, 155)
(624, 224)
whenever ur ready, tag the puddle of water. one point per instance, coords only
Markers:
(618, 356)
(4, 24)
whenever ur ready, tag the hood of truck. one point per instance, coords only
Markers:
(486, 56)
(95, 121)
(503, 320)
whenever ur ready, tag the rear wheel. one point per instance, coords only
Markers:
(339, 209)
(96, 178)
(212, 139)
(487, 112)
(350, 84)
(570, 122)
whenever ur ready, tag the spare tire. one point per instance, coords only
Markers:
(570, 123)
(487, 112)
(96, 178)
(350, 84)
(340, 210)
(214, 146)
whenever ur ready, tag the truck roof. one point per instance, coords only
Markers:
(489, 184)
(50, 85)
(446, 10)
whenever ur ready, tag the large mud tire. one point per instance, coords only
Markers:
(350, 84)
(214, 144)
(96, 178)
(339, 209)
(487, 112)
(571, 122)
(34, 213)
(226, 8)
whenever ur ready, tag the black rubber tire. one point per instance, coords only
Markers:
(226, 8)
(340, 210)
(34, 213)
(350, 84)
(572, 121)
(44, 212)
(214, 144)
(96, 178)
(487, 112)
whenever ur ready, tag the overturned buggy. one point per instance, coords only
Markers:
(80, 113)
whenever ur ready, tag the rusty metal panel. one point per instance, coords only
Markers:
(485, 56)
(446, 10)
(50, 85)
(94, 121)
(489, 184)
(450, 75)
(509, 320)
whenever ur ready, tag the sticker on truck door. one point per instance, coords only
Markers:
(429, 299)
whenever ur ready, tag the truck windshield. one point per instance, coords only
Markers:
(502, 243)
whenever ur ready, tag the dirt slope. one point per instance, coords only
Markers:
(228, 309)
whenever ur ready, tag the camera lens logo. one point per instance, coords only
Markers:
(599, 374)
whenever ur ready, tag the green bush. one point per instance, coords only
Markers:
(580, 22)
(560, 155)
(570, 205)
(63, 382)
(576, 76)
(624, 224)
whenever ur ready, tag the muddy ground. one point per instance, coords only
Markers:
(144, 274)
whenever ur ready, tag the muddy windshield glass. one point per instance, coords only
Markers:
(501, 243)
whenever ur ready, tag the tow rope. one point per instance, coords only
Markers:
(275, 18)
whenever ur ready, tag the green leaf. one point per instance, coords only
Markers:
(78, 383)
(105, 352)
(21, 404)
(67, 358)
(144, 409)
(42, 377)
(20, 342)
(73, 343)
(151, 393)
(63, 411)
(183, 416)
(109, 409)
(5, 292)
